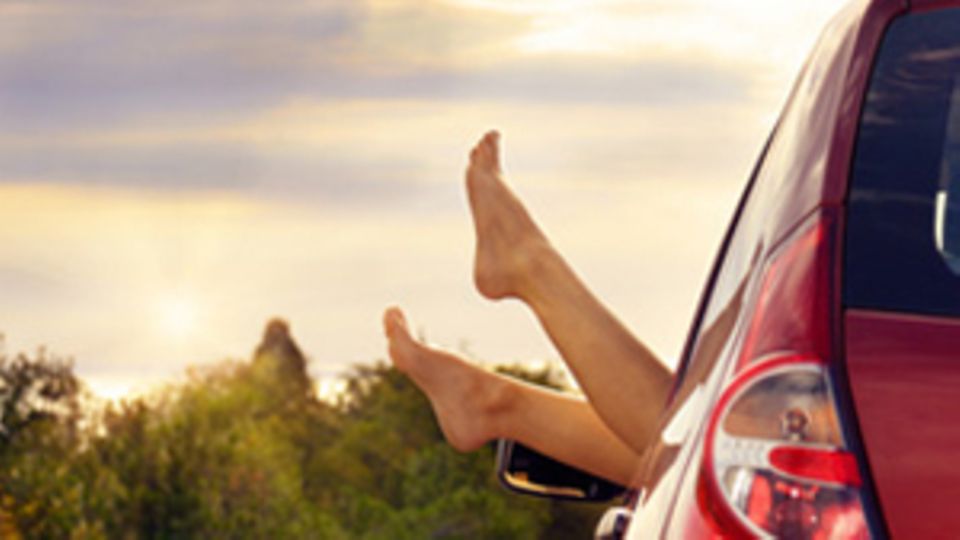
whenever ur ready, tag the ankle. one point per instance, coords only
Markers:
(497, 406)
(541, 269)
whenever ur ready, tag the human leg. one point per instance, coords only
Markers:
(474, 406)
(623, 380)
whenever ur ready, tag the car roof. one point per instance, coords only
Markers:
(933, 4)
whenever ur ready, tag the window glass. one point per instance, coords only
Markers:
(903, 227)
(947, 214)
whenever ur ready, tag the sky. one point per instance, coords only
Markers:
(174, 174)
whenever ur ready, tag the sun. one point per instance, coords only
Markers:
(177, 316)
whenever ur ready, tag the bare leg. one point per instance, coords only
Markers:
(623, 380)
(474, 406)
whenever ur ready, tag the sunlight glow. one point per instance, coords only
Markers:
(779, 37)
(111, 390)
(329, 388)
(178, 316)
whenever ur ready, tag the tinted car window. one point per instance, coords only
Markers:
(947, 212)
(903, 232)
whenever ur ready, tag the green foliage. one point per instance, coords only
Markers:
(40, 402)
(240, 451)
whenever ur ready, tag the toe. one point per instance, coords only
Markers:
(493, 143)
(402, 348)
(488, 154)
(475, 154)
(395, 324)
(484, 154)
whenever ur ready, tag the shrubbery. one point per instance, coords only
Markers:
(242, 450)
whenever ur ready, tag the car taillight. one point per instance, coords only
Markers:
(776, 461)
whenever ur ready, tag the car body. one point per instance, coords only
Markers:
(817, 394)
(833, 265)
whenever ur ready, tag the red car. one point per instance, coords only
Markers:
(818, 396)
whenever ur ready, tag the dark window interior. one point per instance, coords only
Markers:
(904, 206)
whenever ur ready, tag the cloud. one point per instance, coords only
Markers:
(383, 153)
(163, 166)
(735, 30)
(104, 65)
(96, 64)
(215, 166)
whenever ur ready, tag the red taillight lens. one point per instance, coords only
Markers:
(775, 459)
(825, 465)
(792, 310)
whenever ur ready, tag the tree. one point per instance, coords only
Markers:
(244, 449)
(40, 413)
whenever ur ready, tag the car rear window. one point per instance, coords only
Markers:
(903, 228)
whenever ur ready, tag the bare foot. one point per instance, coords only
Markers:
(465, 398)
(508, 240)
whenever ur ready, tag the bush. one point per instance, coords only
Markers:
(240, 450)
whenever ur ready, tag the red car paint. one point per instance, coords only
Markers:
(897, 372)
(905, 378)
